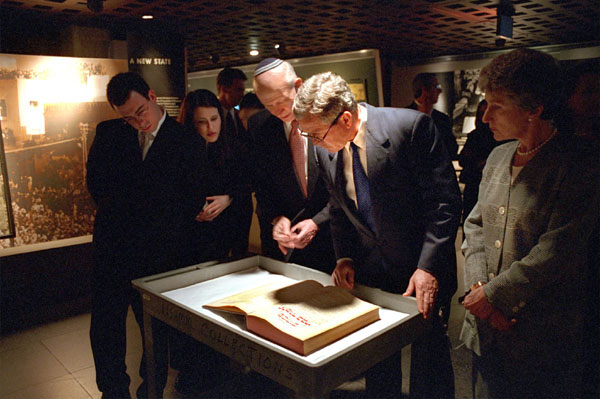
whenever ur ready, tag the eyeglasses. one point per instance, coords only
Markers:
(320, 139)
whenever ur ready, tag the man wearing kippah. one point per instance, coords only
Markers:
(290, 193)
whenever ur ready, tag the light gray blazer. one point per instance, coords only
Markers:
(528, 242)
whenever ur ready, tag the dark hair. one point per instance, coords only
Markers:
(574, 72)
(250, 100)
(193, 100)
(422, 79)
(122, 84)
(530, 78)
(226, 77)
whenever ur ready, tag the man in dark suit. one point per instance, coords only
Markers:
(290, 192)
(426, 91)
(231, 84)
(395, 208)
(144, 172)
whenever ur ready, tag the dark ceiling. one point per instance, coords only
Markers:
(219, 33)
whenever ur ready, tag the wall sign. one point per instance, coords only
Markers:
(160, 60)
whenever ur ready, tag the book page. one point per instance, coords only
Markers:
(247, 302)
(307, 309)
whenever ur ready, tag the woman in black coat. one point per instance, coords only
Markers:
(200, 367)
(225, 182)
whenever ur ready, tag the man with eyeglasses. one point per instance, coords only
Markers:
(426, 91)
(290, 193)
(395, 208)
(144, 172)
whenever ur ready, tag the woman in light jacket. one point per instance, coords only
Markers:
(527, 238)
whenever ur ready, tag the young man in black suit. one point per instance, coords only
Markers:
(144, 172)
(291, 197)
(395, 208)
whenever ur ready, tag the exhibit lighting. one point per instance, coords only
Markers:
(147, 17)
(254, 53)
(279, 49)
(504, 25)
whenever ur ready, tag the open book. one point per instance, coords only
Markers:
(303, 316)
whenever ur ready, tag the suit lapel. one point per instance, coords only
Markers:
(159, 140)
(377, 152)
(313, 169)
(335, 174)
(377, 144)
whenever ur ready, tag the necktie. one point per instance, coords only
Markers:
(145, 141)
(361, 185)
(297, 148)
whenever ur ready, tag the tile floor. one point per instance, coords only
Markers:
(55, 361)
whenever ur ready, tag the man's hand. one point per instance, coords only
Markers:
(303, 232)
(426, 286)
(282, 234)
(343, 274)
(216, 205)
(476, 303)
(296, 236)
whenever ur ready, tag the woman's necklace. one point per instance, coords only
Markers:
(538, 147)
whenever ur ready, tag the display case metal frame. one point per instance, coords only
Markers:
(305, 379)
(7, 222)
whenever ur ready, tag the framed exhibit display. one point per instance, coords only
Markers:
(50, 107)
(359, 89)
(7, 225)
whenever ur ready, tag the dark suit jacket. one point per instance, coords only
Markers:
(415, 203)
(145, 208)
(278, 192)
(444, 125)
(226, 173)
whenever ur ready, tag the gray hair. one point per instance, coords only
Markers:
(324, 96)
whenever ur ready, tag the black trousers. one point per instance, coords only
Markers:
(431, 373)
(111, 298)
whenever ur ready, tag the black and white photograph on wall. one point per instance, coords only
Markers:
(466, 97)
(50, 109)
